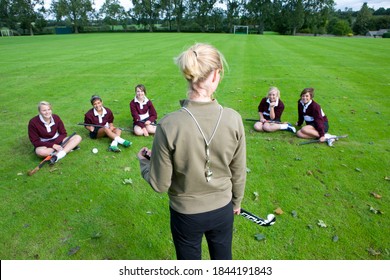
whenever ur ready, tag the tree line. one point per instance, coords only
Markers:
(283, 16)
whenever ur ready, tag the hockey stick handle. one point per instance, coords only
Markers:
(90, 124)
(269, 121)
(317, 140)
(67, 139)
(101, 126)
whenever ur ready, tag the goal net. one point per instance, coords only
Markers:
(241, 29)
(6, 32)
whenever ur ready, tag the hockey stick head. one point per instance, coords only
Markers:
(32, 172)
(270, 220)
(257, 220)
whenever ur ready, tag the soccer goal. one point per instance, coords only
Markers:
(6, 32)
(241, 29)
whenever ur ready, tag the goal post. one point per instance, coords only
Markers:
(6, 32)
(241, 29)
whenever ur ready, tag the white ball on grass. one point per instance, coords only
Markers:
(94, 150)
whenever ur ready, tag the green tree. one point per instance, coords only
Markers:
(146, 12)
(233, 11)
(6, 18)
(179, 8)
(201, 10)
(293, 16)
(26, 12)
(167, 10)
(379, 22)
(317, 14)
(339, 27)
(113, 13)
(362, 23)
(77, 12)
(260, 12)
(216, 19)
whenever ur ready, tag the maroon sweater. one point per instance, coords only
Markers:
(315, 113)
(136, 111)
(37, 132)
(264, 108)
(90, 117)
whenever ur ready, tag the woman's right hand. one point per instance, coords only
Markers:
(142, 152)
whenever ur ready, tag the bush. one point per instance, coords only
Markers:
(386, 35)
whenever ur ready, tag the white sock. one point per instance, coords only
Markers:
(119, 139)
(60, 155)
(283, 126)
(114, 143)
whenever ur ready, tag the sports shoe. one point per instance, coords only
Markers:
(114, 149)
(327, 135)
(53, 160)
(75, 148)
(330, 141)
(127, 143)
(291, 128)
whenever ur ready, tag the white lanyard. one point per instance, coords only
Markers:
(208, 171)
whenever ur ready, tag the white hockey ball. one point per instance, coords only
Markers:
(95, 150)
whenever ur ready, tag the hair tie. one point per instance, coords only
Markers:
(195, 53)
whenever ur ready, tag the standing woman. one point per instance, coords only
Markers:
(47, 131)
(316, 121)
(199, 158)
(143, 113)
(270, 112)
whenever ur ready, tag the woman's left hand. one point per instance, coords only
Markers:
(57, 147)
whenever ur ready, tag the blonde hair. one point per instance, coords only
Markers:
(274, 89)
(43, 103)
(199, 61)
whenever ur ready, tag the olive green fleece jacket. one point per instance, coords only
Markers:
(177, 164)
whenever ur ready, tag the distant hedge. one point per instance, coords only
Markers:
(386, 35)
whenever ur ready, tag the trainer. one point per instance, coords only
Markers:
(199, 158)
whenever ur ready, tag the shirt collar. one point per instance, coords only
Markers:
(104, 112)
(276, 102)
(141, 104)
(47, 125)
(306, 105)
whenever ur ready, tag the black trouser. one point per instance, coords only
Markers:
(188, 229)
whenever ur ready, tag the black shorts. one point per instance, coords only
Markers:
(326, 126)
(93, 134)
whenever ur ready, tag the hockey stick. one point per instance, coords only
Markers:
(47, 159)
(260, 221)
(318, 140)
(101, 126)
(257, 120)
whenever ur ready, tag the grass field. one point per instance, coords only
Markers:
(82, 207)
